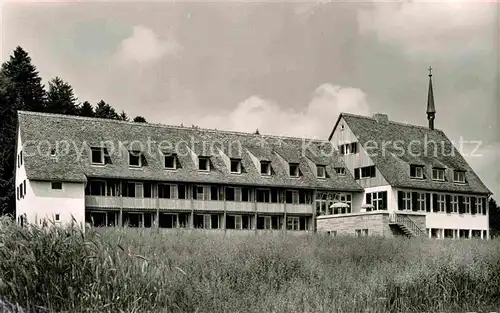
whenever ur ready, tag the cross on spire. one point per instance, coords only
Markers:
(430, 71)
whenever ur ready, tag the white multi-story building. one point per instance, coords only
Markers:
(382, 178)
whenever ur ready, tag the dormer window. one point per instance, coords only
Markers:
(459, 177)
(321, 171)
(438, 174)
(265, 168)
(170, 161)
(97, 155)
(340, 171)
(416, 171)
(294, 170)
(204, 164)
(236, 166)
(134, 158)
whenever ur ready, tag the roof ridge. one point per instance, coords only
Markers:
(86, 118)
(390, 121)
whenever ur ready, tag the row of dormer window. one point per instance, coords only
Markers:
(100, 156)
(438, 174)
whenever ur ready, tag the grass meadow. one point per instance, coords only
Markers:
(141, 270)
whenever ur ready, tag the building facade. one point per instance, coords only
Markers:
(372, 176)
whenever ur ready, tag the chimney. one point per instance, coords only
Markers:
(431, 109)
(381, 118)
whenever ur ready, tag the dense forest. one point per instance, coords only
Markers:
(21, 88)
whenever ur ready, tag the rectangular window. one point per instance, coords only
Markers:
(265, 168)
(235, 166)
(204, 164)
(377, 199)
(56, 185)
(364, 172)
(21, 157)
(407, 201)
(170, 162)
(292, 223)
(454, 204)
(349, 148)
(238, 222)
(340, 171)
(438, 174)
(58, 217)
(24, 188)
(294, 170)
(97, 156)
(441, 203)
(320, 171)
(422, 201)
(292, 196)
(459, 176)
(263, 195)
(467, 204)
(134, 159)
(416, 171)
(268, 222)
(207, 221)
(479, 206)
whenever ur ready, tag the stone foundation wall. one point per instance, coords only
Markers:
(377, 223)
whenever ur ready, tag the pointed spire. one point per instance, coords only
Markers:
(430, 97)
(431, 109)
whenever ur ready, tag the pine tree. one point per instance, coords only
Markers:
(139, 119)
(61, 98)
(86, 109)
(9, 104)
(104, 110)
(26, 81)
(123, 116)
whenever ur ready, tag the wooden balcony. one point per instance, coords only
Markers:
(270, 207)
(200, 205)
(139, 203)
(299, 208)
(174, 205)
(102, 202)
(238, 206)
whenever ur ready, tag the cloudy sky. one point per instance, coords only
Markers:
(283, 67)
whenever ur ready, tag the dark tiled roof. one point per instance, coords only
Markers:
(415, 145)
(78, 134)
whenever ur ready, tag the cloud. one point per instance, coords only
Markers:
(143, 46)
(430, 26)
(315, 121)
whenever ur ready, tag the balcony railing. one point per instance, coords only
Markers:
(299, 208)
(102, 202)
(174, 204)
(196, 205)
(238, 206)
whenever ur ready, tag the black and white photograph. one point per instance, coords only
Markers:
(249, 156)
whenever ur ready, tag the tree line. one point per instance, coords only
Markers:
(21, 88)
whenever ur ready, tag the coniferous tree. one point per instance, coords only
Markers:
(9, 103)
(104, 110)
(123, 116)
(26, 81)
(86, 109)
(61, 98)
(139, 119)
